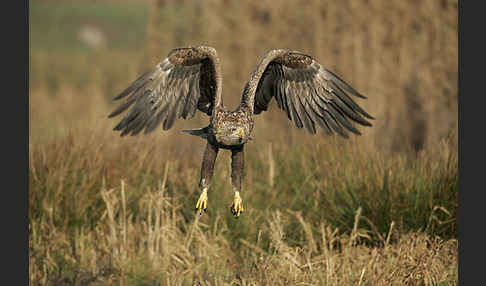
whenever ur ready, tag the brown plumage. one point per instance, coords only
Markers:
(190, 79)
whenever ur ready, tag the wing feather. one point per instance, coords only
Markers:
(341, 118)
(320, 118)
(292, 105)
(186, 81)
(304, 110)
(310, 94)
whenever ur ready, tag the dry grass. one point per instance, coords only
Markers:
(378, 209)
(106, 210)
(159, 248)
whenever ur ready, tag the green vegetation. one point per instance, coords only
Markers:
(55, 26)
(60, 55)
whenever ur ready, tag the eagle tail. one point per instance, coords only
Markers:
(202, 132)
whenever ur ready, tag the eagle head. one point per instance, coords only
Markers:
(231, 135)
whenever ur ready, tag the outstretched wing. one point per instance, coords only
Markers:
(188, 79)
(307, 92)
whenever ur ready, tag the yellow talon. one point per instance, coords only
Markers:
(237, 206)
(202, 202)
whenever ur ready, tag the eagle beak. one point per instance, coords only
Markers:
(241, 133)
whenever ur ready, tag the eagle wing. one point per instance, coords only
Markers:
(186, 80)
(307, 92)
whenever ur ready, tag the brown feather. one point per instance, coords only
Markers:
(308, 93)
(187, 80)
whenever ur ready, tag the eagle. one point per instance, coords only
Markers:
(190, 79)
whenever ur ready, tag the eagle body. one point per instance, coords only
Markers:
(230, 128)
(190, 79)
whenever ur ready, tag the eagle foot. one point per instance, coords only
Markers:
(237, 206)
(202, 202)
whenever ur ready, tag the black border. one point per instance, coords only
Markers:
(470, 94)
(460, 89)
(15, 147)
(20, 224)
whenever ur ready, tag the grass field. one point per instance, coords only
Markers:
(105, 210)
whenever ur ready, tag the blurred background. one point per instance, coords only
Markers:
(401, 54)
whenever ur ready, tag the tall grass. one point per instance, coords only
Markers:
(158, 247)
(97, 202)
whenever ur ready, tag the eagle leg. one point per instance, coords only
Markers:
(207, 170)
(237, 166)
